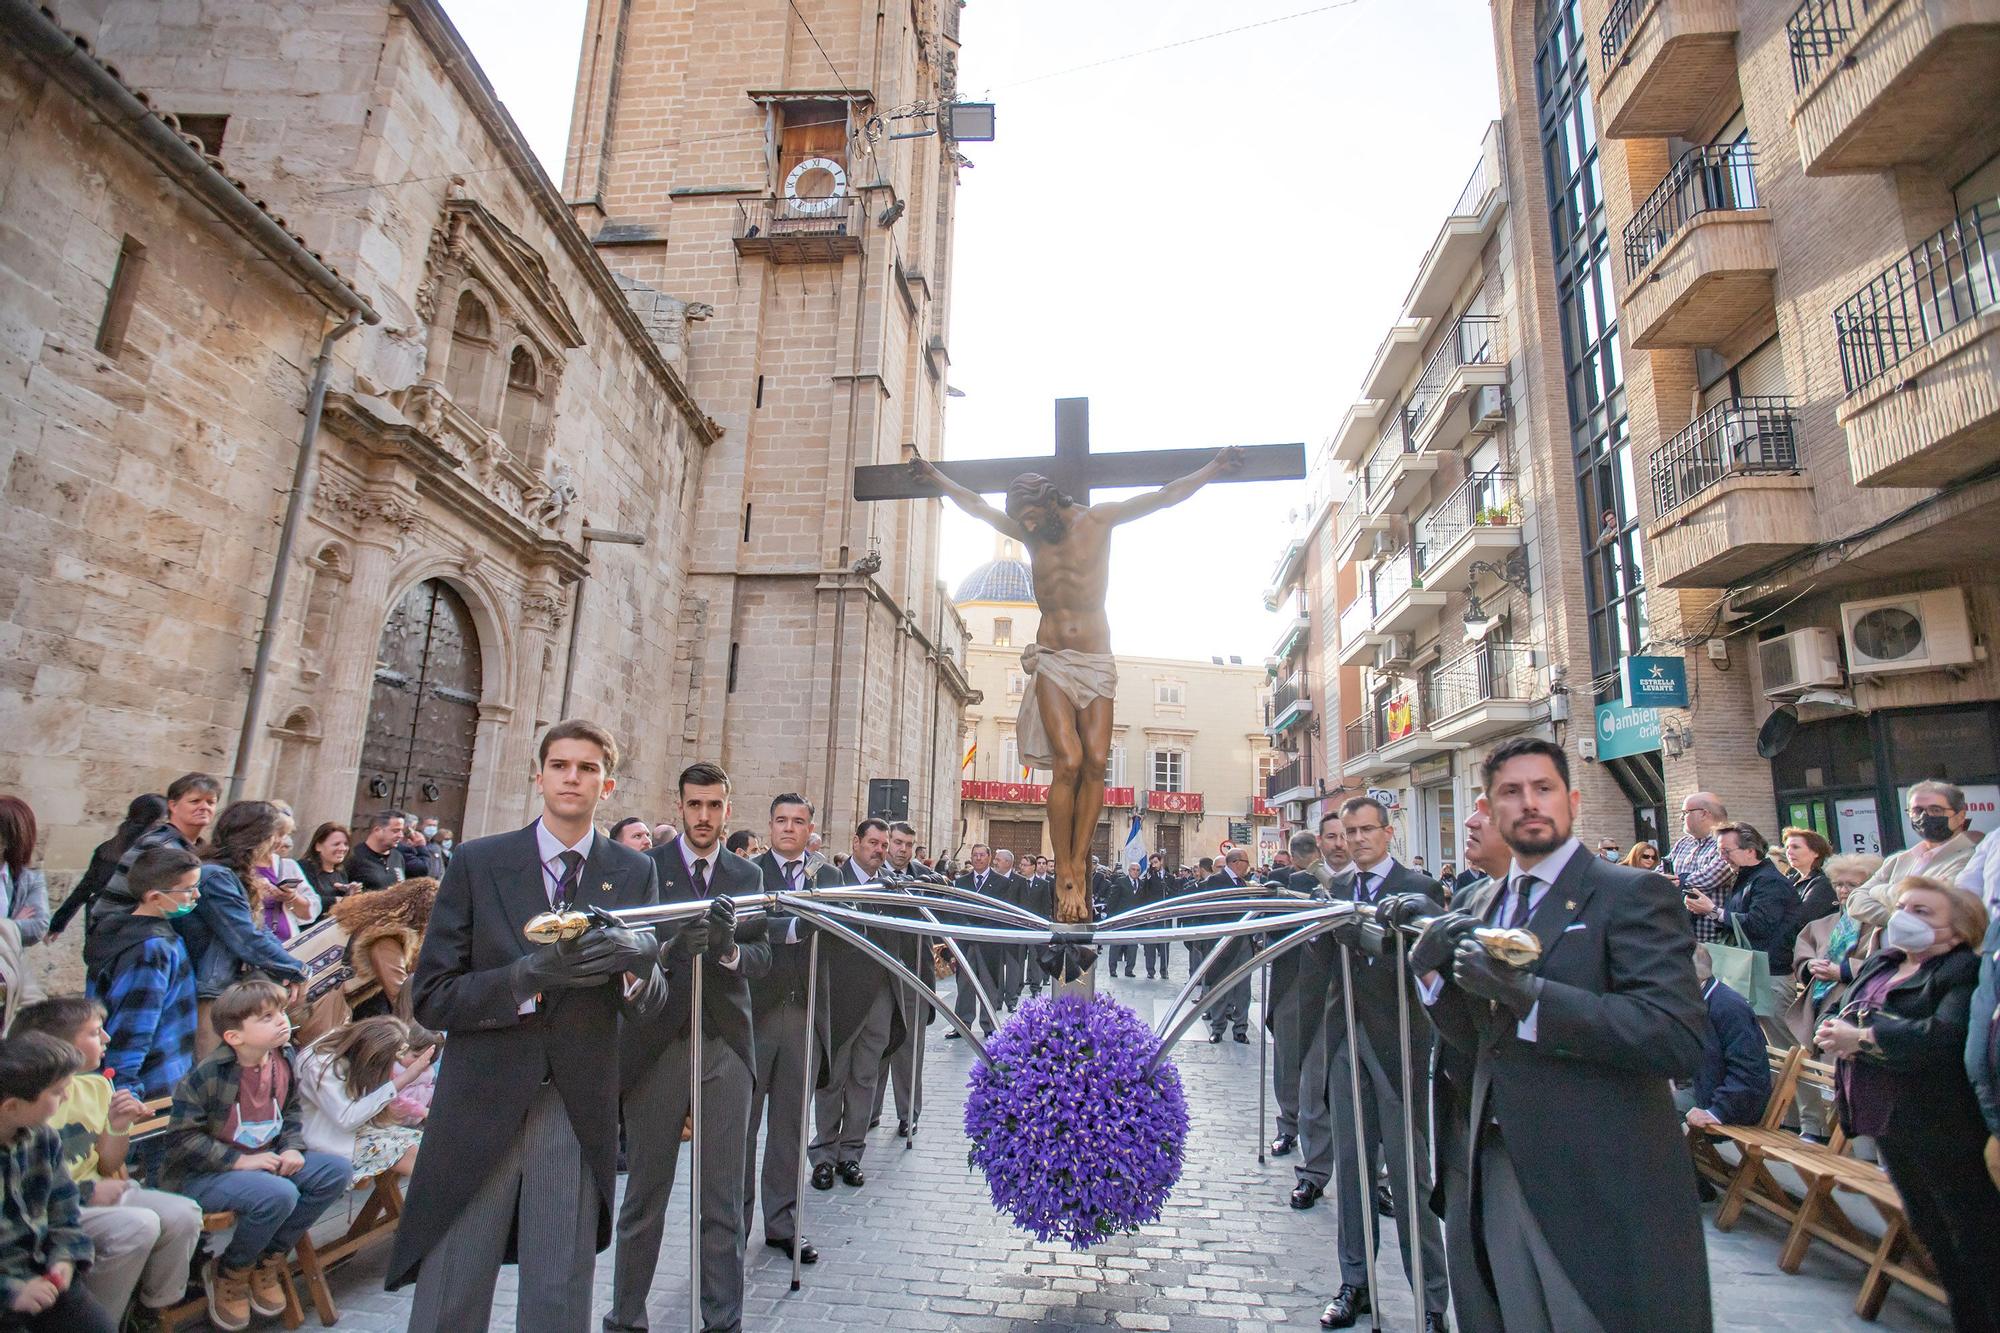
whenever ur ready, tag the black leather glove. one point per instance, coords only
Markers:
(1434, 948)
(1481, 974)
(722, 914)
(612, 950)
(690, 941)
(549, 968)
(1370, 938)
(1400, 909)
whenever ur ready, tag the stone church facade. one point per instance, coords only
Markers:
(510, 477)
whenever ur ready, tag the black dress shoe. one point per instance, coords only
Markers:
(1282, 1145)
(951, 1035)
(823, 1176)
(1214, 1038)
(902, 1129)
(1128, 971)
(1434, 1323)
(1385, 1201)
(851, 1173)
(807, 1254)
(1243, 1037)
(876, 1123)
(1305, 1194)
(1347, 1307)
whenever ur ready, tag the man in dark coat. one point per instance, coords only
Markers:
(1155, 886)
(1583, 1188)
(904, 1072)
(1041, 900)
(1762, 902)
(1734, 1082)
(525, 1154)
(1376, 1049)
(1232, 1007)
(1121, 894)
(1284, 1013)
(655, 1057)
(781, 1046)
(1010, 960)
(1195, 881)
(980, 957)
(864, 1026)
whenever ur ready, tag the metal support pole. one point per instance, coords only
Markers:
(806, 1101)
(694, 1150)
(1364, 1179)
(1412, 1199)
(1263, 1077)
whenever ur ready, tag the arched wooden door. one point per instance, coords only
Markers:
(423, 716)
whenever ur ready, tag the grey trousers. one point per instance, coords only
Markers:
(1156, 955)
(1529, 1284)
(841, 1110)
(1013, 973)
(540, 1183)
(904, 1071)
(1382, 1135)
(1124, 957)
(966, 1004)
(1287, 1053)
(655, 1109)
(1323, 1050)
(1230, 1009)
(777, 1086)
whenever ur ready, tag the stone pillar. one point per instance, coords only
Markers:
(498, 793)
(377, 528)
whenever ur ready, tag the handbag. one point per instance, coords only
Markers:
(1746, 971)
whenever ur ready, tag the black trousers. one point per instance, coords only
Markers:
(1156, 954)
(1955, 1211)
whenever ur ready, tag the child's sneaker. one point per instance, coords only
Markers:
(228, 1296)
(267, 1285)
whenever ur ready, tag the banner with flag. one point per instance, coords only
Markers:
(1134, 849)
(971, 751)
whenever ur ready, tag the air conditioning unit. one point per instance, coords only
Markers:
(1396, 652)
(1384, 545)
(1806, 659)
(1917, 631)
(1488, 409)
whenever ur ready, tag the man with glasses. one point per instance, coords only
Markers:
(1701, 866)
(1943, 848)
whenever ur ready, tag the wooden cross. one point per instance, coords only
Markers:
(1075, 470)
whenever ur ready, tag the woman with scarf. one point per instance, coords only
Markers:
(285, 900)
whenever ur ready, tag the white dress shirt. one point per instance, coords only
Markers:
(701, 880)
(1539, 879)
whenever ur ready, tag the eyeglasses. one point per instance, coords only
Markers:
(1365, 828)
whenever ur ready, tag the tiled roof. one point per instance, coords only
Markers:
(998, 581)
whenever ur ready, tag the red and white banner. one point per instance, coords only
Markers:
(1174, 802)
(1034, 793)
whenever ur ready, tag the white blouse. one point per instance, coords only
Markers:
(334, 1118)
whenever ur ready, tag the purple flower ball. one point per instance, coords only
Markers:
(1077, 1140)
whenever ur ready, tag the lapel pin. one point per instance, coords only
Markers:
(605, 887)
(1568, 906)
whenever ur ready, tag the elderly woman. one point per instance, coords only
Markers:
(1826, 956)
(1900, 1039)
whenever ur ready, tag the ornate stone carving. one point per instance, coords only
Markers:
(363, 509)
(543, 610)
(557, 493)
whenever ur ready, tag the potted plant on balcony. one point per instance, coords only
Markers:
(1500, 516)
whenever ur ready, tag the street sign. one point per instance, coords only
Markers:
(1655, 682)
(1623, 730)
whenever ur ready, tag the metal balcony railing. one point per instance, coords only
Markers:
(772, 225)
(1358, 737)
(1816, 33)
(1475, 190)
(1473, 341)
(1286, 693)
(1392, 578)
(1284, 779)
(1617, 28)
(1483, 499)
(1490, 671)
(1949, 279)
(1717, 178)
(1352, 510)
(1396, 440)
(1356, 619)
(1734, 438)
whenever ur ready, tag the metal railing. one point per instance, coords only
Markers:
(1617, 27)
(1357, 618)
(1816, 33)
(1475, 189)
(1286, 693)
(1714, 179)
(1352, 510)
(1473, 341)
(1490, 671)
(1396, 440)
(1949, 279)
(1392, 578)
(1284, 779)
(1485, 499)
(1358, 737)
(780, 219)
(1736, 437)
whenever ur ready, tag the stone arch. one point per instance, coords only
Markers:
(474, 347)
(497, 643)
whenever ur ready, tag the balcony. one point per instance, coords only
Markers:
(1920, 356)
(1294, 635)
(1888, 83)
(1358, 429)
(1698, 252)
(1402, 602)
(1286, 574)
(1468, 360)
(1405, 730)
(1728, 497)
(1485, 693)
(1290, 704)
(1355, 529)
(799, 231)
(1668, 64)
(1481, 520)
(1360, 756)
(1455, 252)
(1396, 473)
(1293, 782)
(1358, 639)
(1395, 358)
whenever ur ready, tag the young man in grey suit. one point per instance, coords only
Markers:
(1583, 1189)
(863, 1027)
(525, 1154)
(655, 1066)
(904, 1071)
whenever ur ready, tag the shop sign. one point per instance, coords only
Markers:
(1655, 682)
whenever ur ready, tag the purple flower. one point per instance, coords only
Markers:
(1076, 1139)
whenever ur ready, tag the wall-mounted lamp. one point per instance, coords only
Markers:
(1676, 739)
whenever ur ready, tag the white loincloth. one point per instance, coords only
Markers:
(1081, 677)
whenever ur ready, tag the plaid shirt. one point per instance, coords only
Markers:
(202, 1103)
(150, 1018)
(40, 1221)
(1701, 866)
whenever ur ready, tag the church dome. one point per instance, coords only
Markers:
(1002, 580)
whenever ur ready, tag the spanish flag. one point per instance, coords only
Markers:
(971, 752)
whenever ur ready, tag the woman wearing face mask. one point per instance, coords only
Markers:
(1939, 819)
(1900, 1039)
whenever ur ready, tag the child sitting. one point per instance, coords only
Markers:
(349, 1078)
(137, 1232)
(236, 1142)
(137, 966)
(42, 1243)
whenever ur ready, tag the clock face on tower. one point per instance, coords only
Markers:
(815, 186)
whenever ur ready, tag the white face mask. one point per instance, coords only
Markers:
(1908, 931)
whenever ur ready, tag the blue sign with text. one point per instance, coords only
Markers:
(1623, 730)
(1656, 682)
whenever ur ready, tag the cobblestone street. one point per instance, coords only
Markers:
(919, 1247)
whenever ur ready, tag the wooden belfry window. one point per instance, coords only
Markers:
(119, 300)
(811, 132)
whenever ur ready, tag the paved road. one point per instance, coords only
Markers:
(920, 1247)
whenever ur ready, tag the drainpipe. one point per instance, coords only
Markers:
(295, 511)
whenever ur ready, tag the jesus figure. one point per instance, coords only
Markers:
(1065, 722)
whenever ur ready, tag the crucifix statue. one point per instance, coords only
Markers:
(1065, 722)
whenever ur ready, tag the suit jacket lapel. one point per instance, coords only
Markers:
(1560, 905)
(524, 891)
(596, 887)
(674, 881)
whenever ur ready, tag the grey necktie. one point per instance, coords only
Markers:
(1521, 892)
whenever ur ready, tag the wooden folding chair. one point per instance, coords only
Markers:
(375, 1223)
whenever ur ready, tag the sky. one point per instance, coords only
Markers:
(1207, 241)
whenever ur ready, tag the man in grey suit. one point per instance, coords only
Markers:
(1284, 1012)
(985, 879)
(863, 1027)
(1378, 1046)
(904, 1072)
(782, 1047)
(655, 1066)
(1320, 1039)
(524, 1161)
